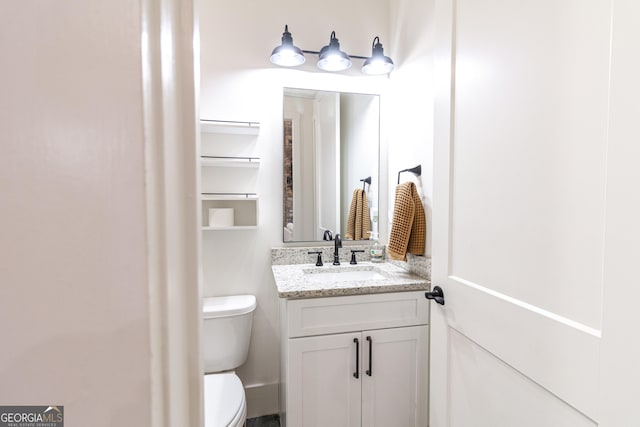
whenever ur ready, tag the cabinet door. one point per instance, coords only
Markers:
(394, 377)
(321, 387)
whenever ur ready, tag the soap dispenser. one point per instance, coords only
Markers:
(376, 250)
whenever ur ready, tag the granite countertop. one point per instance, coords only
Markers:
(297, 281)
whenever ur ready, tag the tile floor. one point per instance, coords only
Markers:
(265, 421)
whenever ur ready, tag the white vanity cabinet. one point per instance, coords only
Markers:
(355, 361)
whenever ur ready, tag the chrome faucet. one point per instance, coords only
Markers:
(337, 245)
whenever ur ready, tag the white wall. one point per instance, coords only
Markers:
(74, 316)
(239, 83)
(410, 112)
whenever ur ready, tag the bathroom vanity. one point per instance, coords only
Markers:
(354, 345)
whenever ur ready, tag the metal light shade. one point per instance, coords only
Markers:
(287, 55)
(331, 58)
(378, 63)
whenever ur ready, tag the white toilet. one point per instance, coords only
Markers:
(226, 331)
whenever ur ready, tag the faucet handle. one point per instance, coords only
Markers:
(319, 261)
(353, 255)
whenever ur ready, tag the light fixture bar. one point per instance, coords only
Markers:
(330, 57)
(315, 52)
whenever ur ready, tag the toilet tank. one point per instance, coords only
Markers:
(226, 331)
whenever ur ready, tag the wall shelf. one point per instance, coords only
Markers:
(229, 196)
(245, 206)
(233, 162)
(229, 127)
(228, 150)
(235, 227)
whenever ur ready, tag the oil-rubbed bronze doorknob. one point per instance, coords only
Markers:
(436, 295)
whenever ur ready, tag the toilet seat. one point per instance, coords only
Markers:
(224, 400)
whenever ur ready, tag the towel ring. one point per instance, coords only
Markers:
(417, 171)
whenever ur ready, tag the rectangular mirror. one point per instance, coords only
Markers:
(331, 144)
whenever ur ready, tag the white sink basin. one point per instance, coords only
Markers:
(333, 276)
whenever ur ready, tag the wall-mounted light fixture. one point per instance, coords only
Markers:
(287, 55)
(330, 57)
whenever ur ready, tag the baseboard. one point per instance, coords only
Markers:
(262, 399)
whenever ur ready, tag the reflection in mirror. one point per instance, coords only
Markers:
(331, 145)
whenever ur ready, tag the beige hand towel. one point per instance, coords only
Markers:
(409, 226)
(359, 221)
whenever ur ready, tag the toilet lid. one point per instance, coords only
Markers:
(224, 400)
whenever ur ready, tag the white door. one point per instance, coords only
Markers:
(536, 214)
(394, 390)
(323, 390)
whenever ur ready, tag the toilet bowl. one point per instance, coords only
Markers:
(224, 401)
(226, 333)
